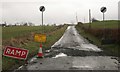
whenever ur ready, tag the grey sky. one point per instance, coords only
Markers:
(57, 11)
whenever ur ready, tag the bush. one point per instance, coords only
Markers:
(109, 34)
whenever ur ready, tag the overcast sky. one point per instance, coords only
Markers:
(57, 11)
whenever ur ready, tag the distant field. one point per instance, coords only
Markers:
(106, 24)
(18, 31)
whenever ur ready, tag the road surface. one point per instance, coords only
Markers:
(72, 52)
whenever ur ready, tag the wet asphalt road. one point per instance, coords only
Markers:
(72, 52)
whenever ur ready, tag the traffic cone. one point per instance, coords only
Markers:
(40, 54)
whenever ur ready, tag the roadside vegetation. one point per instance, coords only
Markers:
(23, 37)
(103, 34)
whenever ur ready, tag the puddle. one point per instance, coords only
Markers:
(60, 55)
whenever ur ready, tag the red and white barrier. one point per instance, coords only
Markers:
(40, 54)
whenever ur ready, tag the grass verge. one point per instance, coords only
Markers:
(109, 49)
(53, 34)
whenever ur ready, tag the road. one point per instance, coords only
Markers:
(72, 52)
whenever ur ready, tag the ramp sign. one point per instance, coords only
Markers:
(15, 52)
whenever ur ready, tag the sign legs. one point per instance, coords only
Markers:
(103, 16)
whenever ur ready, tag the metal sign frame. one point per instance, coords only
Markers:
(103, 10)
(42, 9)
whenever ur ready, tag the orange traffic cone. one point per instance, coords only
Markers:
(40, 54)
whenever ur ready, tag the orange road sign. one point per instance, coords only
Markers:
(40, 37)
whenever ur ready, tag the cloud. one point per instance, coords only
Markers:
(57, 11)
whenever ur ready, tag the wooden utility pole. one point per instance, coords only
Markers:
(76, 17)
(89, 18)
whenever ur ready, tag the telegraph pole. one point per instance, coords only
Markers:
(76, 17)
(89, 18)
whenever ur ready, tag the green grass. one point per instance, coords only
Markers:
(89, 36)
(0, 48)
(12, 32)
(53, 34)
(52, 38)
(104, 24)
(111, 48)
